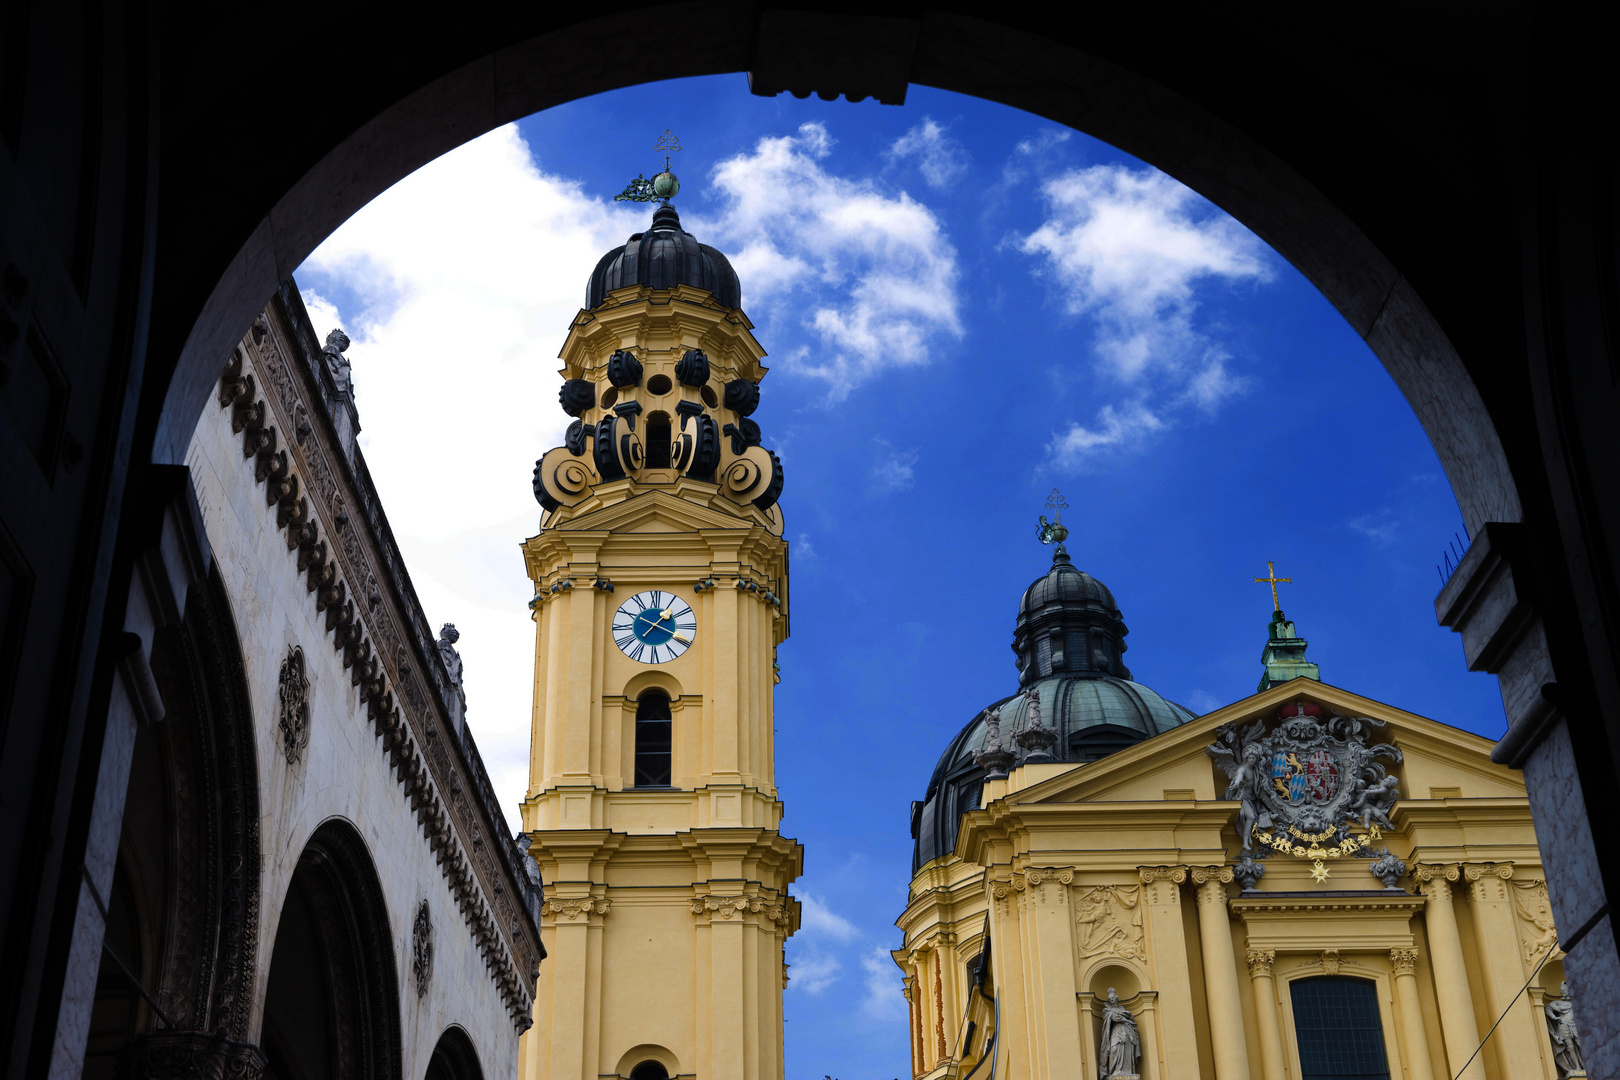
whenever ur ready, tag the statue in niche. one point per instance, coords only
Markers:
(1121, 1046)
(1565, 1039)
(337, 343)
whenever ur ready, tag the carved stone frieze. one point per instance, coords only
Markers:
(342, 582)
(190, 1055)
(1108, 921)
(725, 907)
(1537, 934)
(1330, 961)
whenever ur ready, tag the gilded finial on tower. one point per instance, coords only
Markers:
(1274, 580)
(662, 187)
(1054, 531)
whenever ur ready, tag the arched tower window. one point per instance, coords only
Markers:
(652, 739)
(1340, 1033)
(649, 1070)
(658, 440)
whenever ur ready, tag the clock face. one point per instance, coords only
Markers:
(654, 627)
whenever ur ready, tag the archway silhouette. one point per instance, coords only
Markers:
(1452, 196)
(331, 1004)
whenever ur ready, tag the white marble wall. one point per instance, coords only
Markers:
(343, 772)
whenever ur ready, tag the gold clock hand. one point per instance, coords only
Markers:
(682, 637)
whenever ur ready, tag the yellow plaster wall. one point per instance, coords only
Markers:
(1131, 814)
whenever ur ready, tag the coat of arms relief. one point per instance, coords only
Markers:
(1304, 785)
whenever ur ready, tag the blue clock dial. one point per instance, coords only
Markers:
(654, 627)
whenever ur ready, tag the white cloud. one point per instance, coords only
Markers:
(1120, 429)
(885, 995)
(813, 972)
(1380, 526)
(940, 158)
(1128, 249)
(464, 278)
(818, 920)
(894, 469)
(875, 275)
(804, 548)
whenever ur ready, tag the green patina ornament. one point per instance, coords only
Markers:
(662, 187)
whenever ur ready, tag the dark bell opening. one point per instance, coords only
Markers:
(652, 749)
(658, 439)
(609, 396)
(649, 1070)
(659, 384)
(710, 398)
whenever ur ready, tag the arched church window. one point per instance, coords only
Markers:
(653, 740)
(1340, 1033)
(649, 1070)
(658, 439)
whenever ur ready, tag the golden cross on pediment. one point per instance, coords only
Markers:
(1274, 581)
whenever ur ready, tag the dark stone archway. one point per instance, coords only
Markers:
(454, 1058)
(331, 1007)
(1448, 184)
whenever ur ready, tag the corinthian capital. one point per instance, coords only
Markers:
(1260, 961)
(1404, 961)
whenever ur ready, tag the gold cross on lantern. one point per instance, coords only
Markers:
(1274, 581)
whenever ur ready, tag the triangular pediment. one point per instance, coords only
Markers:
(1439, 761)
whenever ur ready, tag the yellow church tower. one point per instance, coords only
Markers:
(661, 595)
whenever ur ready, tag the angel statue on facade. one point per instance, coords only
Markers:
(1238, 754)
(1374, 803)
(1120, 1047)
(1565, 1039)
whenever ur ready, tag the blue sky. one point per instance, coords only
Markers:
(965, 306)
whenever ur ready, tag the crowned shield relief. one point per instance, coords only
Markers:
(1308, 780)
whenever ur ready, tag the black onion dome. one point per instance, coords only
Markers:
(661, 258)
(1068, 640)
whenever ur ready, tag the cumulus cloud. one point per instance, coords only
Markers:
(884, 998)
(894, 469)
(456, 286)
(1128, 249)
(874, 274)
(812, 972)
(1114, 429)
(818, 920)
(939, 158)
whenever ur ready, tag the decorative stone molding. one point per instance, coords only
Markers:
(1489, 880)
(1260, 962)
(1330, 961)
(575, 907)
(1211, 882)
(727, 906)
(1434, 880)
(311, 486)
(190, 1055)
(1163, 883)
(1404, 961)
(292, 695)
(422, 948)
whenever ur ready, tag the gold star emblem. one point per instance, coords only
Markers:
(1319, 871)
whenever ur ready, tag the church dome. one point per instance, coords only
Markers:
(661, 258)
(1069, 639)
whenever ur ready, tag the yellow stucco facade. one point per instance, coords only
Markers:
(1118, 873)
(666, 904)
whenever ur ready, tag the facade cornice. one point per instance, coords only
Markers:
(298, 435)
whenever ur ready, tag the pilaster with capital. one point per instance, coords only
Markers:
(1220, 973)
(1451, 989)
(1501, 969)
(1265, 1011)
(1172, 969)
(1403, 963)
